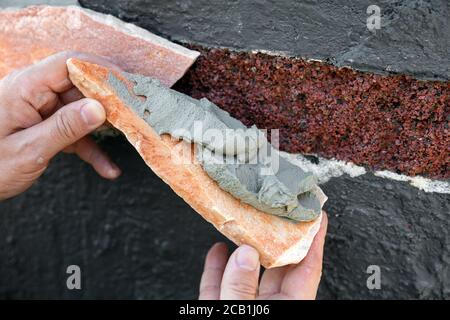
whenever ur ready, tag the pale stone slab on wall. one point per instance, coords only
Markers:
(23, 3)
(30, 34)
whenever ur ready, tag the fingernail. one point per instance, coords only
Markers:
(93, 113)
(219, 244)
(247, 258)
(114, 171)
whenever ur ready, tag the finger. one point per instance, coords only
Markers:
(271, 281)
(90, 152)
(39, 84)
(68, 125)
(71, 95)
(240, 279)
(302, 281)
(215, 263)
(14, 119)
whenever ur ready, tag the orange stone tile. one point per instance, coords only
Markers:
(33, 33)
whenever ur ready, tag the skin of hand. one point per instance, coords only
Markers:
(41, 114)
(237, 277)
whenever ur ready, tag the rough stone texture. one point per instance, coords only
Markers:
(39, 31)
(385, 122)
(131, 238)
(413, 38)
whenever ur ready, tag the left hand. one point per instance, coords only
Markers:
(41, 114)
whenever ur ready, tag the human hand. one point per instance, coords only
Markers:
(238, 278)
(41, 114)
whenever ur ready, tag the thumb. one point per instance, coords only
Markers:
(240, 279)
(66, 126)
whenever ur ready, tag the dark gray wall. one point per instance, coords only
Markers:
(414, 35)
(134, 238)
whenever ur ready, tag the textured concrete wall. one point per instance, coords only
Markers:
(413, 38)
(134, 238)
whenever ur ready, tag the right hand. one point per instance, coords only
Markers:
(237, 278)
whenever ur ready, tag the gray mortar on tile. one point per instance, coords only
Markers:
(239, 159)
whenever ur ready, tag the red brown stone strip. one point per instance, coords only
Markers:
(389, 122)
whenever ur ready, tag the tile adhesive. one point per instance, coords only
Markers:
(242, 162)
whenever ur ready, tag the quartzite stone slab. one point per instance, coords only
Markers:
(30, 34)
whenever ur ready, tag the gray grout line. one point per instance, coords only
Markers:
(425, 184)
(331, 168)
